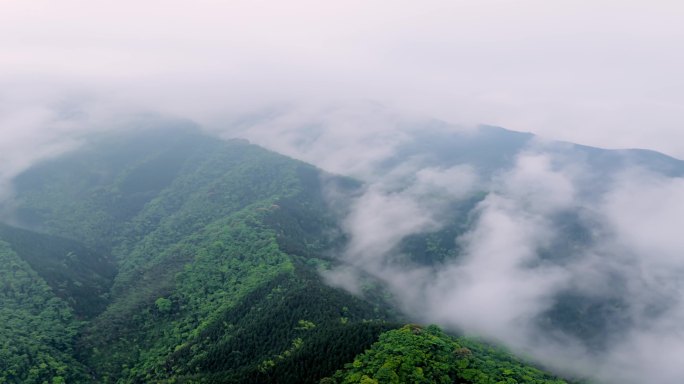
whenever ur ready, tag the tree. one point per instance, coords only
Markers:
(163, 305)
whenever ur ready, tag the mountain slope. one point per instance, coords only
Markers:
(414, 354)
(74, 272)
(216, 247)
(195, 226)
(37, 329)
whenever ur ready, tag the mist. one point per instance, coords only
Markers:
(347, 86)
(503, 286)
(603, 74)
(519, 257)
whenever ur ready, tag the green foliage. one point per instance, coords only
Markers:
(485, 363)
(305, 325)
(414, 354)
(217, 246)
(197, 226)
(37, 329)
(163, 305)
(261, 338)
(75, 273)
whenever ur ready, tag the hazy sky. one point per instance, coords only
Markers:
(605, 73)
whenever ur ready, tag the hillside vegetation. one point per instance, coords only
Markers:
(170, 256)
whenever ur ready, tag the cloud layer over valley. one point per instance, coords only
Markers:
(589, 283)
(569, 254)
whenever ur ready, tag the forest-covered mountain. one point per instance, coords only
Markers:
(166, 255)
(170, 256)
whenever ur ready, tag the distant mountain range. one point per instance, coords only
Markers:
(166, 255)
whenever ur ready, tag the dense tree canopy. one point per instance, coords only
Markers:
(158, 257)
(414, 354)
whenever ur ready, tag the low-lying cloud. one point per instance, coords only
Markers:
(515, 262)
(602, 74)
(547, 226)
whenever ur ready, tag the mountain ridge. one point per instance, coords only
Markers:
(206, 235)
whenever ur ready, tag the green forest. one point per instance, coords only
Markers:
(167, 256)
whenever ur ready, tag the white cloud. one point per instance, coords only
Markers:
(501, 286)
(603, 73)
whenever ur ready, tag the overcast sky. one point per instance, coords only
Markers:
(604, 73)
(600, 72)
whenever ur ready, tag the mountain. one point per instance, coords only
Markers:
(165, 255)
(564, 252)
(414, 354)
(215, 246)
(75, 273)
(594, 318)
(490, 149)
